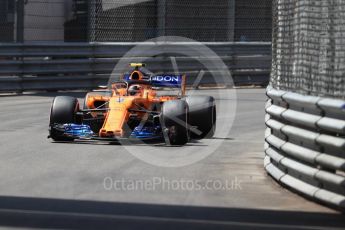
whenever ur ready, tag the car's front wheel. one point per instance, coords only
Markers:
(63, 111)
(175, 121)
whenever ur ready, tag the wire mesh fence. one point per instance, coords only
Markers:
(309, 47)
(134, 20)
(203, 20)
(118, 20)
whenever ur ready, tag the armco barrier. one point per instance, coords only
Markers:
(305, 144)
(86, 65)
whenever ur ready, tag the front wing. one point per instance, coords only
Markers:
(84, 132)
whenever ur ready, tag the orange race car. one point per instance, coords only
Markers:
(139, 107)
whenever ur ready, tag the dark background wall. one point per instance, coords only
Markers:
(203, 20)
(7, 18)
(76, 29)
(253, 20)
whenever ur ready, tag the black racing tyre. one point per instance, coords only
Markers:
(63, 111)
(175, 120)
(202, 115)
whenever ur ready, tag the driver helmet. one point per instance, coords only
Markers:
(134, 90)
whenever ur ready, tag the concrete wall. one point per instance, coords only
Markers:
(44, 20)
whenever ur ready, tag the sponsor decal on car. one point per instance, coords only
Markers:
(167, 80)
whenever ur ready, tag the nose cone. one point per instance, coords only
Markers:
(116, 118)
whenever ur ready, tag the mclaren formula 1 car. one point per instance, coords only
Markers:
(141, 106)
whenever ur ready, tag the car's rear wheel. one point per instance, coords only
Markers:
(175, 121)
(202, 116)
(63, 111)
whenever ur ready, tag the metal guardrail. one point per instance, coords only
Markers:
(305, 144)
(58, 66)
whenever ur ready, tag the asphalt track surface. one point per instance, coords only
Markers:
(68, 185)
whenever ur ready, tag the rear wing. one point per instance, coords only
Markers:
(164, 80)
(171, 81)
